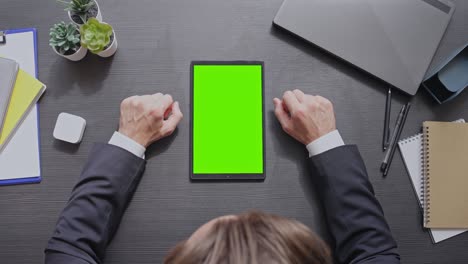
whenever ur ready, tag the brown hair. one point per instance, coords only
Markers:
(253, 237)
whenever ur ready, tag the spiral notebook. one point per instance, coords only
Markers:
(445, 183)
(411, 151)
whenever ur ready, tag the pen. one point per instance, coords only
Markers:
(393, 146)
(394, 139)
(383, 167)
(386, 132)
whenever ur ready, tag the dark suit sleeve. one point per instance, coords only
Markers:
(355, 217)
(95, 208)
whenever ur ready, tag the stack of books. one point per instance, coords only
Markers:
(19, 92)
(20, 161)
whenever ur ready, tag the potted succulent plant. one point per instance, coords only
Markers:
(65, 40)
(80, 11)
(99, 38)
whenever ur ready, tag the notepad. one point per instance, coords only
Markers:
(411, 151)
(445, 174)
(26, 92)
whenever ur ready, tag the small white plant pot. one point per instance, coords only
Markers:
(77, 56)
(111, 50)
(98, 16)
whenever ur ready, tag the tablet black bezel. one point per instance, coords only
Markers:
(226, 176)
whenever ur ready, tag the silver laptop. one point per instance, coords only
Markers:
(393, 40)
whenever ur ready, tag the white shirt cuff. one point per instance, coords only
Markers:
(128, 144)
(325, 143)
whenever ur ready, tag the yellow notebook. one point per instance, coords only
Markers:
(445, 176)
(25, 94)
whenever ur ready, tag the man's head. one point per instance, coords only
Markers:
(252, 237)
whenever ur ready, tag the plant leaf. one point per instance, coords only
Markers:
(95, 35)
(64, 37)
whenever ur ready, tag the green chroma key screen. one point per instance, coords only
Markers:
(227, 120)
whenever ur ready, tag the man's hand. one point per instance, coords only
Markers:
(305, 117)
(148, 118)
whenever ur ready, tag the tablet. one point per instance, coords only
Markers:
(227, 124)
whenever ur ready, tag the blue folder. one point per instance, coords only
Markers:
(449, 79)
(38, 178)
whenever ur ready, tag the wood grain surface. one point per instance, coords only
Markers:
(157, 41)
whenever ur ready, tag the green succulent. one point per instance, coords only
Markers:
(79, 7)
(65, 38)
(95, 36)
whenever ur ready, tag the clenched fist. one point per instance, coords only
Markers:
(148, 118)
(305, 117)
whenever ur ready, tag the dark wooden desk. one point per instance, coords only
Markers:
(157, 40)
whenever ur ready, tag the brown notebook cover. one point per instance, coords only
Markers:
(445, 183)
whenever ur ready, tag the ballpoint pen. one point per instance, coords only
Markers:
(394, 139)
(386, 132)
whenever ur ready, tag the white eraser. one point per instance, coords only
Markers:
(69, 128)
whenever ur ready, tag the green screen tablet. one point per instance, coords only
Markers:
(227, 125)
